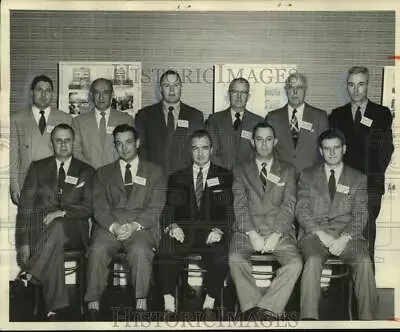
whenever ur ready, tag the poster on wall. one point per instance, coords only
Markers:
(75, 79)
(388, 95)
(266, 85)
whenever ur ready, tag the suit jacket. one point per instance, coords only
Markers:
(87, 145)
(27, 144)
(369, 150)
(174, 154)
(347, 213)
(215, 209)
(40, 196)
(269, 211)
(231, 147)
(306, 153)
(144, 204)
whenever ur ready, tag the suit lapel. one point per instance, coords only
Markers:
(31, 125)
(284, 120)
(308, 117)
(343, 180)
(275, 170)
(254, 177)
(322, 183)
(93, 130)
(73, 171)
(52, 176)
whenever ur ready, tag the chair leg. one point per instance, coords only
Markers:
(36, 299)
(82, 270)
(221, 296)
(350, 298)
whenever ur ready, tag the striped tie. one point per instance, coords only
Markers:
(199, 187)
(263, 175)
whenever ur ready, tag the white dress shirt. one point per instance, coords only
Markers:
(67, 163)
(98, 116)
(233, 115)
(363, 106)
(175, 112)
(338, 171)
(37, 115)
(134, 167)
(268, 166)
(204, 170)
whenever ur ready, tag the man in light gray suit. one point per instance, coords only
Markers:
(30, 132)
(93, 130)
(231, 129)
(298, 125)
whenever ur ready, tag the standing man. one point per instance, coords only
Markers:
(30, 132)
(332, 211)
(53, 214)
(199, 216)
(94, 142)
(164, 128)
(368, 130)
(231, 129)
(298, 125)
(264, 190)
(128, 196)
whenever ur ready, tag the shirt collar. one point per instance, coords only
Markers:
(107, 111)
(67, 163)
(268, 166)
(338, 170)
(134, 163)
(299, 111)
(176, 106)
(35, 109)
(362, 105)
(205, 168)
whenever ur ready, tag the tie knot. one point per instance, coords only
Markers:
(170, 109)
(332, 172)
(201, 169)
(294, 112)
(128, 166)
(41, 112)
(237, 115)
(62, 164)
(263, 165)
(103, 114)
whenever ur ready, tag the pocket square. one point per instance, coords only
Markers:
(80, 185)
(280, 184)
(217, 191)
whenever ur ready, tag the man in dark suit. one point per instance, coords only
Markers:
(53, 214)
(164, 128)
(332, 211)
(368, 132)
(128, 196)
(30, 132)
(94, 143)
(298, 125)
(231, 129)
(198, 218)
(264, 190)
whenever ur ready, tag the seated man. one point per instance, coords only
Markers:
(53, 213)
(197, 220)
(332, 212)
(128, 196)
(264, 191)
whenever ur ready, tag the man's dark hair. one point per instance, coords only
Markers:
(170, 72)
(122, 128)
(64, 126)
(200, 133)
(262, 124)
(239, 80)
(331, 133)
(99, 80)
(41, 78)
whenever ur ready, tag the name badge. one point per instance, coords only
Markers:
(246, 134)
(306, 125)
(71, 179)
(366, 121)
(342, 188)
(183, 123)
(110, 130)
(49, 129)
(212, 182)
(139, 180)
(273, 178)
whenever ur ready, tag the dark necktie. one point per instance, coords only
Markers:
(294, 127)
(42, 122)
(263, 175)
(128, 179)
(199, 187)
(237, 122)
(171, 121)
(357, 119)
(102, 128)
(332, 185)
(61, 178)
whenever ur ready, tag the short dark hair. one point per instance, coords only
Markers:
(64, 126)
(262, 124)
(41, 78)
(170, 72)
(122, 128)
(239, 80)
(200, 133)
(358, 70)
(99, 80)
(331, 133)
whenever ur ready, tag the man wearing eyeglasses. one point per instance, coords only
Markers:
(231, 129)
(298, 125)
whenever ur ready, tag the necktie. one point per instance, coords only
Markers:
(294, 127)
(199, 186)
(61, 177)
(263, 175)
(357, 119)
(128, 179)
(102, 128)
(42, 122)
(332, 185)
(171, 121)
(237, 122)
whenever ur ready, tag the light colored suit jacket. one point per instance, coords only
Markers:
(347, 213)
(87, 145)
(269, 211)
(306, 153)
(27, 144)
(230, 147)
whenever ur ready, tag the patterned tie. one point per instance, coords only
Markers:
(199, 186)
(61, 178)
(171, 121)
(237, 122)
(357, 119)
(128, 179)
(102, 128)
(263, 175)
(294, 127)
(332, 185)
(42, 122)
